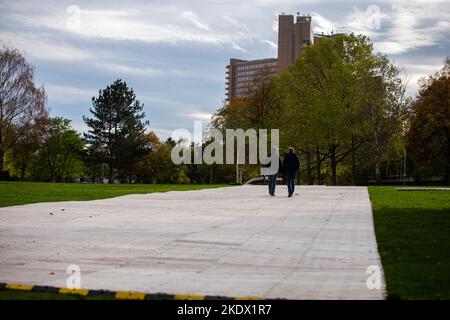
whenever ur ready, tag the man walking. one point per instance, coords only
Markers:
(291, 165)
(271, 169)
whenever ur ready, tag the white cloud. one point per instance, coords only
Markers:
(275, 26)
(79, 126)
(321, 24)
(412, 28)
(162, 134)
(117, 69)
(141, 25)
(271, 44)
(68, 94)
(192, 17)
(196, 115)
(45, 49)
(403, 27)
(236, 23)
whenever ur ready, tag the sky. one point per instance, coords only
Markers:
(174, 53)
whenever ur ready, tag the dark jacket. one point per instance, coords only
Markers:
(280, 165)
(291, 164)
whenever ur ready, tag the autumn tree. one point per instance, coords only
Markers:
(21, 101)
(428, 138)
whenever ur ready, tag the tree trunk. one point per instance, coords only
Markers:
(447, 173)
(22, 173)
(102, 172)
(308, 168)
(377, 158)
(93, 174)
(448, 166)
(333, 164)
(2, 154)
(353, 181)
(111, 176)
(211, 176)
(318, 171)
(111, 172)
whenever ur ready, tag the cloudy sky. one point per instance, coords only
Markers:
(174, 53)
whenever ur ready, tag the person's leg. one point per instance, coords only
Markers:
(294, 177)
(271, 184)
(274, 183)
(289, 184)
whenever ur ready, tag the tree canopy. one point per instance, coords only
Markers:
(428, 138)
(117, 128)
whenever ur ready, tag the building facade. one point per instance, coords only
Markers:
(243, 77)
(292, 38)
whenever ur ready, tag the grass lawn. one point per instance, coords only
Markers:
(413, 234)
(16, 193)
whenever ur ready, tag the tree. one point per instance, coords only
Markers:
(428, 138)
(328, 94)
(157, 166)
(117, 128)
(61, 150)
(27, 146)
(21, 102)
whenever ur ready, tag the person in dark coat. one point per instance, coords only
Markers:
(291, 165)
(272, 172)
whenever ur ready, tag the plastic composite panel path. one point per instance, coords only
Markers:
(234, 241)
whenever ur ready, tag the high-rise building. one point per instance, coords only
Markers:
(244, 77)
(292, 38)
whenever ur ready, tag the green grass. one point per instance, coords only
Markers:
(413, 235)
(17, 193)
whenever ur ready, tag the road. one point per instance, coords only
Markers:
(234, 241)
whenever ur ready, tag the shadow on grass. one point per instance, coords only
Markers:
(414, 245)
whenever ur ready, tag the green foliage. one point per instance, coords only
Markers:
(334, 93)
(157, 166)
(60, 152)
(116, 130)
(339, 104)
(428, 139)
(25, 151)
